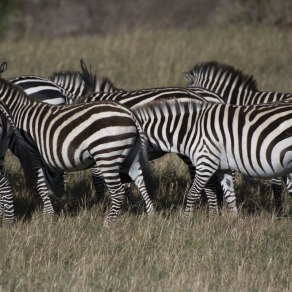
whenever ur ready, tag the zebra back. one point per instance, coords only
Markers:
(140, 97)
(82, 83)
(43, 89)
(234, 86)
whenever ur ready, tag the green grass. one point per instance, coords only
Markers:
(79, 251)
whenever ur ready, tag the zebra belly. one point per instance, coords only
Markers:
(71, 163)
(265, 167)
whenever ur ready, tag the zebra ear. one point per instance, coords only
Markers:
(188, 77)
(3, 67)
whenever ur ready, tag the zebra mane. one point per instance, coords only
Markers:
(88, 77)
(214, 68)
(177, 105)
(95, 83)
(66, 78)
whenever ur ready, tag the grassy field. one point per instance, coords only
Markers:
(78, 250)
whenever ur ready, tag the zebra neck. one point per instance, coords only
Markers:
(16, 100)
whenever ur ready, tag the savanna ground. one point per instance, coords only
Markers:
(79, 251)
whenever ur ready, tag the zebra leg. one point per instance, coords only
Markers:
(276, 184)
(288, 183)
(65, 180)
(117, 191)
(227, 183)
(136, 175)
(129, 194)
(210, 191)
(6, 200)
(98, 182)
(43, 191)
(202, 177)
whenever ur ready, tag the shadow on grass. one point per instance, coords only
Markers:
(253, 197)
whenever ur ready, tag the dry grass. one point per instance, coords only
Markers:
(78, 251)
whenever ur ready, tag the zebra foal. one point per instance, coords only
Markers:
(76, 137)
(254, 140)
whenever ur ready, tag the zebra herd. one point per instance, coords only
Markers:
(73, 121)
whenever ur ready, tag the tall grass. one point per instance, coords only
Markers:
(79, 251)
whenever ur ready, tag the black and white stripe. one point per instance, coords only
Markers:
(43, 89)
(82, 83)
(254, 140)
(239, 89)
(46, 91)
(7, 126)
(76, 137)
(140, 97)
(231, 84)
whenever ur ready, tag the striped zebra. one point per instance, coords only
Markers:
(61, 88)
(254, 140)
(239, 89)
(6, 198)
(76, 137)
(143, 96)
(48, 91)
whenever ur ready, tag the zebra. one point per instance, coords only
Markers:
(254, 140)
(6, 198)
(237, 88)
(139, 97)
(46, 91)
(79, 136)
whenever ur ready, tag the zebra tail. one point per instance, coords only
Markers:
(144, 161)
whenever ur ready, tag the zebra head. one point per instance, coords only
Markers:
(3, 68)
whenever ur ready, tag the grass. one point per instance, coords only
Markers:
(78, 250)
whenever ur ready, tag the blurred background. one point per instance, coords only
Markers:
(58, 18)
